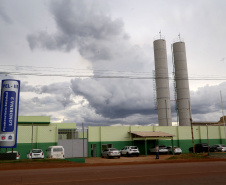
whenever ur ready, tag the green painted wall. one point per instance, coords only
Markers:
(121, 133)
(115, 144)
(41, 134)
(25, 148)
(183, 144)
(120, 136)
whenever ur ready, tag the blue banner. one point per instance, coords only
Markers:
(9, 113)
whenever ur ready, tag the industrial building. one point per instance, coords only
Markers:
(182, 83)
(162, 83)
(182, 96)
(39, 132)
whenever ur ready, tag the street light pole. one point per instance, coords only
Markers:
(192, 135)
(208, 140)
(223, 117)
(83, 137)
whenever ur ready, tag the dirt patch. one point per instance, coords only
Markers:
(97, 161)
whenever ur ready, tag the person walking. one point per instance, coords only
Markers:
(157, 151)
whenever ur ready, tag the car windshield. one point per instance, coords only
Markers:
(162, 146)
(36, 151)
(204, 144)
(57, 149)
(113, 149)
(133, 147)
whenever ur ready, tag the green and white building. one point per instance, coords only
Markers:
(39, 132)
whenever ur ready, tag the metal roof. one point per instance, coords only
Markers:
(144, 134)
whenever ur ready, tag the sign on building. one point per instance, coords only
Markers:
(9, 113)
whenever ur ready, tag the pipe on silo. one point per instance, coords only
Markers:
(162, 83)
(182, 83)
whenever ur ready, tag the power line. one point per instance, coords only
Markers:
(103, 73)
(135, 76)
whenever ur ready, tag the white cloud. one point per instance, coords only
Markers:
(56, 37)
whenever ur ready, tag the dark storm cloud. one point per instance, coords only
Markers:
(4, 16)
(207, 100)
(82, 25)
(35, 106)
(60, 91)
(115, 101)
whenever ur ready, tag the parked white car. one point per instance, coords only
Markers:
(177, 150)
(111, 152)
(35, 154)
(162, 149)
(17, 154)
(221, 148)
(130, 150)
(56, 152)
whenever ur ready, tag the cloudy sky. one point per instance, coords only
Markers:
(92, 61)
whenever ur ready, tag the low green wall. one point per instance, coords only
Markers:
(76, 160)
(24, 148)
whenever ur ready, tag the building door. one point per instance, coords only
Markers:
(93, 150)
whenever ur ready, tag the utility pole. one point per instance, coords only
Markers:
(166, 113)
(192, 136)
(223, 117)
(32, 135)
(208, 139)
(83, 138)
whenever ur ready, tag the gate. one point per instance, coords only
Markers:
(73, 142)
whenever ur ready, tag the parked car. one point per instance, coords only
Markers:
(221, 148)
(177, 150)
(200, 147)
(130, 150)
(213, 148)
(17, 154)
(110, 152)
(35, 154)
(218, 148)
(56, 152)
(162, 149)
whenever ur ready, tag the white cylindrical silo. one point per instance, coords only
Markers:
(182, 84)
(162, 83)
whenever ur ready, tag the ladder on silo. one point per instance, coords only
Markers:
(154, 91)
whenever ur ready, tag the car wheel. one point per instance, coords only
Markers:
(108, 156)
(118, 156)
(102, 156)
(127, 154)
(137, 155)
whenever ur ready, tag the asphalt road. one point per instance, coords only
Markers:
(195, 173)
